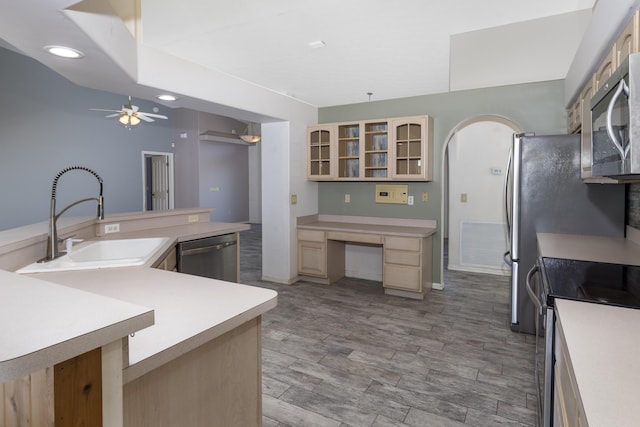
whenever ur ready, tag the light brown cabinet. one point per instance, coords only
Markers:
(629, 40)
(319, 154)
(606, 69)
(312, 253)
(405, 259)
(412, 158)
(406, 250)
(373, 150)
(567, 406)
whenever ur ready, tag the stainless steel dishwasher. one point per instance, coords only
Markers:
(214, 257)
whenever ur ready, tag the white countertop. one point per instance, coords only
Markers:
(52, 323)
(182, 233)
(189, 310)
(44, 323)
(369, 225)
(589, 248)
(604, 351)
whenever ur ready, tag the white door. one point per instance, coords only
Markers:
(159, 183)
(157, 177)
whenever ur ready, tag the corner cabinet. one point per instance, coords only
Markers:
(399, 149)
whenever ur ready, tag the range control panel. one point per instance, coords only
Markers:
(386, 193)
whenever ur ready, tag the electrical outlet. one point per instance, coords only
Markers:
(425, 197)
(347, 198)
(294, 199)
(111, 228)
(193, 218)
(410, 200)
(463, 197)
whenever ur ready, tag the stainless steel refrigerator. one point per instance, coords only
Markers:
(544, 193)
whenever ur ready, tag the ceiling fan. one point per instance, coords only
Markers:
(129, 115)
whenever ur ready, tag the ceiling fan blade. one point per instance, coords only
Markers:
(102, 109)
(114, 115)
(157, 116)
(143, 117)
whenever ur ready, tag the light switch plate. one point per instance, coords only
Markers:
(396, 193)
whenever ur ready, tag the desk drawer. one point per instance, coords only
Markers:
(311, 235)
(405, 278)
(401, 257)
(402, 243)
(355, 237)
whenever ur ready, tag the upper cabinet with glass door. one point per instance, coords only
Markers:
(319, 151)
(399, 149)
(349, 151)
(411, 139)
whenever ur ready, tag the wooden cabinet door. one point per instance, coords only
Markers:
(606, 69)
(320, 152)
(349, 150)
(628, 41)
(412, 148)
(312, 258)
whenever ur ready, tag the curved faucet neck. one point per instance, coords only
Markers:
(52, 241)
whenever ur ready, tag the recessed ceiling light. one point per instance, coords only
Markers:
(317, 44)
(64, 52)
(166, 97)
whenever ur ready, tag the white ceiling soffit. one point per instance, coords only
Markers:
(393, 49)
(236, 49)
(537, 50)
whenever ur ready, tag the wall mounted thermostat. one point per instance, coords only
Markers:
(386, 193)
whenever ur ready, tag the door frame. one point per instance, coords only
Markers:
(170, 176)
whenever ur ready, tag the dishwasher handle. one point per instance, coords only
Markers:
(206, 249)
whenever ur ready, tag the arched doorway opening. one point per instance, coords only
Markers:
(474, 164)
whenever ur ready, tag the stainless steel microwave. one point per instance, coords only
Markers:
(615, 123)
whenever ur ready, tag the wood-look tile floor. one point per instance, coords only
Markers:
(347, 355)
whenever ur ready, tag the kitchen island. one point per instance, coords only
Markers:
(200, 361)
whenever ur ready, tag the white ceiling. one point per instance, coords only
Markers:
(392, 48)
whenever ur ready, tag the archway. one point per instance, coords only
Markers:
(477, 227)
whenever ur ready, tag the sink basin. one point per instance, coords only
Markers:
(101, 254)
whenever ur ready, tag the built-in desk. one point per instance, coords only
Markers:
(406, 250)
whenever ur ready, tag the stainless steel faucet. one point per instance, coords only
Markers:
(52, 241)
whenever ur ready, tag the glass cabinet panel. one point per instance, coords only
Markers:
(320, 153)
(349, 151)
(376, 150)
(408, 140)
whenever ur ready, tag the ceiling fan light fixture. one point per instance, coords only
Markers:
(250, 136)
(251, 139)
(124, 119)
(133, 120)
(64, 52)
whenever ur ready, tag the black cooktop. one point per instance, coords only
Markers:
(598, 282)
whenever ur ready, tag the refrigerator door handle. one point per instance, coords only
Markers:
(515, 197)
(506, 192)
(514, 293)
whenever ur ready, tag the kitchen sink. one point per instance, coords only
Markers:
(101, 254)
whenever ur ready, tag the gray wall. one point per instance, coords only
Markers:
(46, 125)
(224, 168)
(205, 165)
(536, 107)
